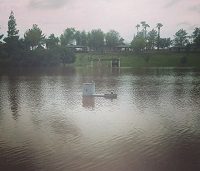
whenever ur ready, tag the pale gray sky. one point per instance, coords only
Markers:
(53, 16)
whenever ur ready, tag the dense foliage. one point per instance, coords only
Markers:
(159, 25)
(196, 37)
(32, 50)
(138, 42)
(181, 38)
(12, 30)
(152, 39)
(34, 37)
(149, 40)
(36, 49)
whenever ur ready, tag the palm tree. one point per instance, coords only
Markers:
(144, 25)
(145, 29)
(137, 26)
(159, 25)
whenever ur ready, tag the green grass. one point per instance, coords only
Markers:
(156, 59)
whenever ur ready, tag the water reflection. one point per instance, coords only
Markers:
(65, 129)
(153, 124)
(1, 100)
(13, 89)
(88, 102)
(146, 89)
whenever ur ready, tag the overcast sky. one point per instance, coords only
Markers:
(53, 16)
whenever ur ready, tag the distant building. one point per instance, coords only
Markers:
(178, 48)
(125, 48)
(78, 48)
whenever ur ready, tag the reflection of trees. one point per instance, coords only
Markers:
(13, 88)
(180, 87)
(195, 88)
(47, 88)
(64, 126)
(181, 125)
(88, 102)
(70, 84)
(185, 89)
(34, 95)
(2, 98)
(107, 79)
(147, 88)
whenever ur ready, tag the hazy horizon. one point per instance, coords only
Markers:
(55, 16)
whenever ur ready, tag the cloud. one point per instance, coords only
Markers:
(48, 4)
(172, 3)
(195, 8)
(185, 23)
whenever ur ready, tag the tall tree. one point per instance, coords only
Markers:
(34, 37)
(84, 38)
(121, 41)
(112, 39)
(12, 30)
(180, 38)
(196, 33)
(77, 37)
(51, 41)
(165, 42)
(159, 25)
(66, 55)
(68, 37)
(11, 40)
(144, 25)
(2, 52)
(138, 42)
(137, 26)
(96, 39)
(196, 37)
(151, 37)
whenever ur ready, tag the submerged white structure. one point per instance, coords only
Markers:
(89, 90)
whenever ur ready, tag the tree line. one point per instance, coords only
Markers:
(151, 40)
(36, 49)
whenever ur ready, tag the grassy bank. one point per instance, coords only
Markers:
(150, 59)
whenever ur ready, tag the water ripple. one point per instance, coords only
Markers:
(153, 124)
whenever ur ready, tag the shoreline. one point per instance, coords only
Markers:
(147, 59)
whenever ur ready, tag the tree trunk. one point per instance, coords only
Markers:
(158, 47)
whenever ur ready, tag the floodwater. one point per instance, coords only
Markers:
(153, 124)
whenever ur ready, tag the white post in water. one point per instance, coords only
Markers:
(88, 89)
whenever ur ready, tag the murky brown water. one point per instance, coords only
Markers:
(153, 125)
